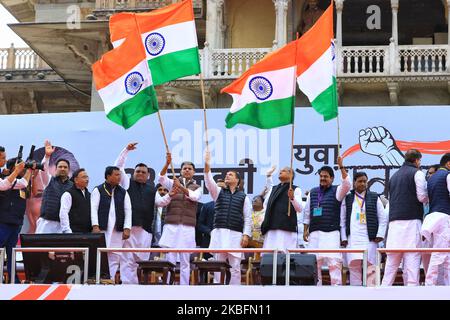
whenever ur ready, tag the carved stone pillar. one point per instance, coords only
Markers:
(215, 27)
(339, 8)
(394, 7)
(281, 8)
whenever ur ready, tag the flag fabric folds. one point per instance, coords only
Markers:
(169, 37)
(264, 95)
(124, 83)
(316, 66)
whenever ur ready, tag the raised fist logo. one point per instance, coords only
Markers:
(378, 141)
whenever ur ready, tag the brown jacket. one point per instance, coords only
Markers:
(182, 210)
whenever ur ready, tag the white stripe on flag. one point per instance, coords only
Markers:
(283, 85)
(318, 77)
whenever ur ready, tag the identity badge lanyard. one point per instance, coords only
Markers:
(361, 213)
(317, 211)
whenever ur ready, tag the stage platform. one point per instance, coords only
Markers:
(186, 293)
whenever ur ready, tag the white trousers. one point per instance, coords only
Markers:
(411, 268)
(139, 238)
(355, 268)
(334, 268)
(185, 265)
(235, 263)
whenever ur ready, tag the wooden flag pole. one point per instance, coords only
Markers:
(338, 134)
(202, 86)
(165, 142)
(292, 161)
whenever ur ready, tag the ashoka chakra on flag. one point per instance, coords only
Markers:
(133, 82)
(155, 43)
(261, 87)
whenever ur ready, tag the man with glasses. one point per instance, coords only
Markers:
(143, 199)
(407, 194)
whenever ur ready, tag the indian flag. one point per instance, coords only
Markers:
(316, 69)
(169, 37)
(264, 96)
(124, 83)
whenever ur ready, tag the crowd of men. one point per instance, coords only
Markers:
(134, 214)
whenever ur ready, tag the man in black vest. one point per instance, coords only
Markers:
(12, 208)
(142, 195)
(407, 194)
(111, 214)
(279, 228)
(322, 220)
(54, 189)
(436, 226)
(365, 226)
(232, 219)
(75, 212)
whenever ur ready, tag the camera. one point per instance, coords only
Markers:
(29, 161)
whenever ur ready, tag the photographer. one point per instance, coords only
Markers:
(12, 206)
(54, 189)
(6, 183)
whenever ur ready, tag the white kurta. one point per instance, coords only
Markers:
(225, 238)
(177, 235)
(47, 226)
(66, 205)
(113, 237)
(327, 240)
(280, 239)
(359, 237)
(436, 229)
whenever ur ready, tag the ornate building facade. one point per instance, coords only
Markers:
(389, 52)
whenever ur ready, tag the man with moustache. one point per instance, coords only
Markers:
(322, 220)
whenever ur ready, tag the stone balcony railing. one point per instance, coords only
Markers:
(353, 62)
(21, 59)
(404, 60)
(106, 6)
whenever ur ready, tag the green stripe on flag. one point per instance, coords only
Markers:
(326, 103)
(174, 65)
(129, 112)
(266, 115)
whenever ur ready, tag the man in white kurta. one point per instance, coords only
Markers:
(407, 193)
(436, 226)
(179, 227)
(223, 237)
(360, 222)
(114, 238)
(314, 210)
(279, 228)
(144, 198)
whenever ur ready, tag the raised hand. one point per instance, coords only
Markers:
(132, 146)
(49, 149)
(271, 170)
(168, 158)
